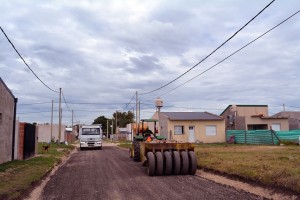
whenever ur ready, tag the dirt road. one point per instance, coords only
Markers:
(110, 174)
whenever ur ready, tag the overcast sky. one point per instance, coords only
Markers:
(101, 52)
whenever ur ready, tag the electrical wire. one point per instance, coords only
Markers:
(129, 102)
(25, 62)
(211, 52)
(231, 54)
(65, 101)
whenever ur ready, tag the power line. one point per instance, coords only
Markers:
(65, 101)
(232, 53)
(25, 61)
(129, 102)
(211, 52)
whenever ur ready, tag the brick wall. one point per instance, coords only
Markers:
(21, 141)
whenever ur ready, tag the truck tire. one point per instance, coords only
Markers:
(151, 164)
(159, 163)
(184, 163)
(193, 163)
(176, 163)
(136, 154)
(167, 163)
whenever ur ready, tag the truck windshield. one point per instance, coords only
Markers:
(90, 131)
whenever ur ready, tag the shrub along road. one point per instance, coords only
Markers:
(110, 174)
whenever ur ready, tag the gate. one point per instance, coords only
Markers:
(29, 141)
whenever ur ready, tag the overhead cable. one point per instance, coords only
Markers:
(209, 53)
(231, 54)
(129, 102)
(25, 62)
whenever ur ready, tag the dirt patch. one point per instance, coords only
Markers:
(257, 190)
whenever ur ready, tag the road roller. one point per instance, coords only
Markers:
(162, 156)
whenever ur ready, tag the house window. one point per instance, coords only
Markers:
(211, 130)
(178, 130)
(276, 127)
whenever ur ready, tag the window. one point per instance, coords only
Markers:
(211, 130)
(276, 127)
(178, 130)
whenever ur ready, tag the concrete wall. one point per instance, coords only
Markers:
(6, 122)
(44, 132)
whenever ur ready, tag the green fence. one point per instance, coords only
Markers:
(262, 136)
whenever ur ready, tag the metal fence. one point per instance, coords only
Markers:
(262, 136)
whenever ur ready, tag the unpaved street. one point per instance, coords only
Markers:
(110, 174)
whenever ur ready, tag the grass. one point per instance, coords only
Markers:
(269, 165)
(18, 175)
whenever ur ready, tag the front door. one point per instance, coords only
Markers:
(191, 134)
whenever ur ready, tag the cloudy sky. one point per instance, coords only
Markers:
(101, 52)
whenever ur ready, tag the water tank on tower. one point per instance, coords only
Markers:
(159, 103)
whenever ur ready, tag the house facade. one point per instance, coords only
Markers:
(252, 117)
(191, 127)
(7, 123)
(293, 118)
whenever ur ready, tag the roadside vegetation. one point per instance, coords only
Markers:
(19, 175)
(277, 166)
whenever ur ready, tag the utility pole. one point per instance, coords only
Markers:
(283, 108)
(112, 126)
(72, 119)
(116, 121)
(136, 110)
(51, 128)
(59, 116)
(107, 130)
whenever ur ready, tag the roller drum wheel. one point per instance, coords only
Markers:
(159, 163)
(151, 164)
(167, 163)
(184, 163)
(176, 163)
(136, 148)
(193, 163)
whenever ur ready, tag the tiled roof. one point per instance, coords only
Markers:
(191, 116)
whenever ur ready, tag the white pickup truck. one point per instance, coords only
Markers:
(90, 136)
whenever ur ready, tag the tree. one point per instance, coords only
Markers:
(123, 118)
(103, 121)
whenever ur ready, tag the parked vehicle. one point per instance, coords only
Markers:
(90, 136)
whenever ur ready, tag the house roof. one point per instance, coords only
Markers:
(199, 116)
(243, 106)
(288, 114)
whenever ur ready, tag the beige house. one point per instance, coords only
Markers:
(293, 118)
(192, 126)
(252, 117)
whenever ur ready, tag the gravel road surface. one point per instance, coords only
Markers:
(110, 174)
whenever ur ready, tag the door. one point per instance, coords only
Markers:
(191, 134)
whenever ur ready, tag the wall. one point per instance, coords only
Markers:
(200, 131)
(284, 123)
(252, 110)
(6, 122)
(21, 141)
(44, 132)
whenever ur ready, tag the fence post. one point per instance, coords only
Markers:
(273, 132)
(272, 136)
